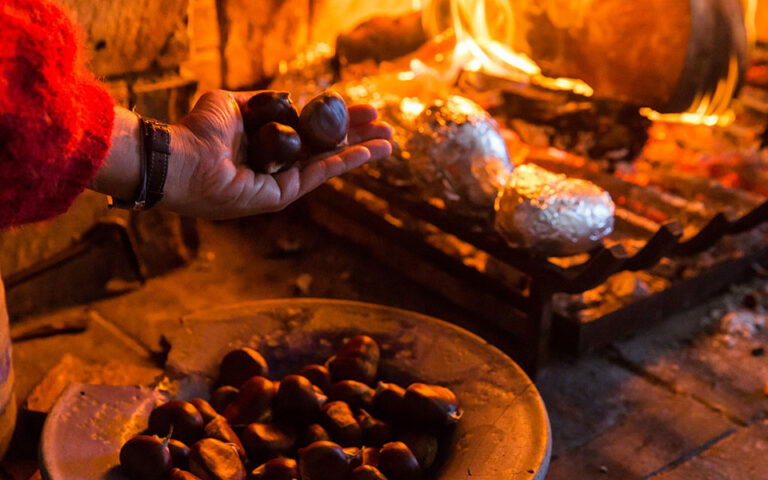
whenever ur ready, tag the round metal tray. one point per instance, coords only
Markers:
(504, 433)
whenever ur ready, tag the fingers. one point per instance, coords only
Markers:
(317, 173)
(361, 114)
(369, 131)
(379, 148)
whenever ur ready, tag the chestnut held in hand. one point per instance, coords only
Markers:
(146, 457)
(324, 122)
(269, 106)
(277, 147)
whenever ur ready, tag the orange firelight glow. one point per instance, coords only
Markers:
(485, 32)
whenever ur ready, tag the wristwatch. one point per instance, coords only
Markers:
(155, 146)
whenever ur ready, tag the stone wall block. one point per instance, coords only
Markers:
(128, 36)
(167, 100)
(258, 35)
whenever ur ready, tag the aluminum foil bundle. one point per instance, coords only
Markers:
(456, 153)
(551, 213)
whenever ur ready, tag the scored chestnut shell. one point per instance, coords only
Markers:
(269, 106)
(146, 457)
(274, 148)
(183, 416)
(323, 461)
(431, 405)
(324, 121)
(239, 365)
(397, 461)
(212, 459)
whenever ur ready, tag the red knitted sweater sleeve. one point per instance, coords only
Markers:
(55, 118)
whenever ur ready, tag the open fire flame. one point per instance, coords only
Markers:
(485, 29)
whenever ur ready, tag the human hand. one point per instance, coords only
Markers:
(208, 176)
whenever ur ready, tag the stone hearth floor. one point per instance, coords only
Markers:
(680, 401)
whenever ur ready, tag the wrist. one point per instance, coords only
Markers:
(119, 174)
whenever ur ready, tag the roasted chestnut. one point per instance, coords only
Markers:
(375, 432)
(389, 402)
(179, 454)
(355, 394)
(179, 474)
(314, 433)
(212, 459)
(354, 456)
(206, 409)
(146, 457)
(183, 416)
(323, 461)
(431, 405)
(423, 445)
(324, 121)
(338, 420)
(371, 456)
(252, 401)
(276, 148)
(219, 429)
(318, 375)
(296, 400)
(366, 472)
(264, 441)
(222, 397)
(239, 365)
(276, 469)
(357, 360)
(269, 106)
(397, 461)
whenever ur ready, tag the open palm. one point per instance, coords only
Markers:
(213, 181)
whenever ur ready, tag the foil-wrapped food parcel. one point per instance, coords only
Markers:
(551, 213)
(447, 147)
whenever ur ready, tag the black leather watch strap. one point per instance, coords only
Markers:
(157, 142)
(155, 147)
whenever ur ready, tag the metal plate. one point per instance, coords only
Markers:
(504, 434)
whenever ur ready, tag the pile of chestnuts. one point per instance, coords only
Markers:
(278, 137)
(326, 422)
